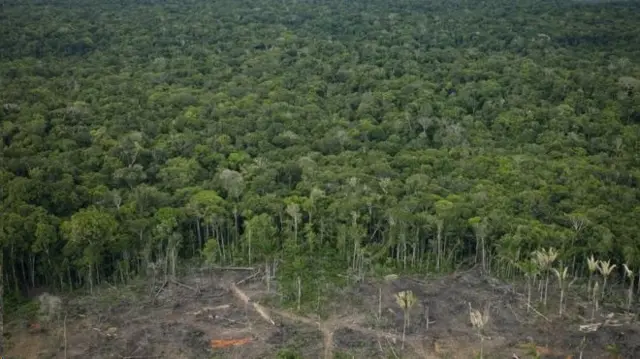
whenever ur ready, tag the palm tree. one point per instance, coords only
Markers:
(388, 278)
(562, 278)
(405, 299)
(629, 273)
(480, 230)
(293, 210)
(531, 271)
(545, 259)
(479, 320)
(592, 265)
(595, 300)
(605, 269)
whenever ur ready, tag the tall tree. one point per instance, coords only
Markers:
(88, 233)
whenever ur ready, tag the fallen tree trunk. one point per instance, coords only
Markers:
(247, 301)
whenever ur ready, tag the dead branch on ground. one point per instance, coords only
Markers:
(227, 268)
(246, 300)
(185, 286)
(248, 278)
(160, 290)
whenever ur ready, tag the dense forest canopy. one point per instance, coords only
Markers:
(322, 136)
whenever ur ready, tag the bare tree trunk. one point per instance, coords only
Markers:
(199, 233)
(249, 235)
(484, 255)
(439, 246)
(404, 330)
(32, 269)
(90, 279)
(268, 277)
(236, 222)
(299, 292)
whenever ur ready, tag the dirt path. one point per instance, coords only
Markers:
(327, 327)
(327, 332)
(328, 342)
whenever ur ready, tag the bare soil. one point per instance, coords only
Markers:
(183, 318)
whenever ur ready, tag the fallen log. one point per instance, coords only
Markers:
(246, 300)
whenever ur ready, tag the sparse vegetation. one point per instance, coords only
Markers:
(562, 277)
(405, 299)
(479, 320)
(628, 273)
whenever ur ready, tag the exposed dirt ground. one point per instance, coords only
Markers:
(200, 316)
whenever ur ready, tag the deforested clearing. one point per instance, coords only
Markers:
(202, 317)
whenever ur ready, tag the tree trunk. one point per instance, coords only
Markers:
(32, 269)
(268, 277)
(69, 276)
(206, 230)
(299, 292)
(236, 218)
(528, 293)
(438, 246)
(97, 274)
(249, 243)
(355, 254)
(484, 256)
(25, 280)
(546, 288)
(404, 251)
(199, 233)
(222, 246)
(404, 330)
(90, 279)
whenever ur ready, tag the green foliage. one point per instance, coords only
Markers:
(360, 137)
(211, 251)
(288, 354)
(17, 307)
